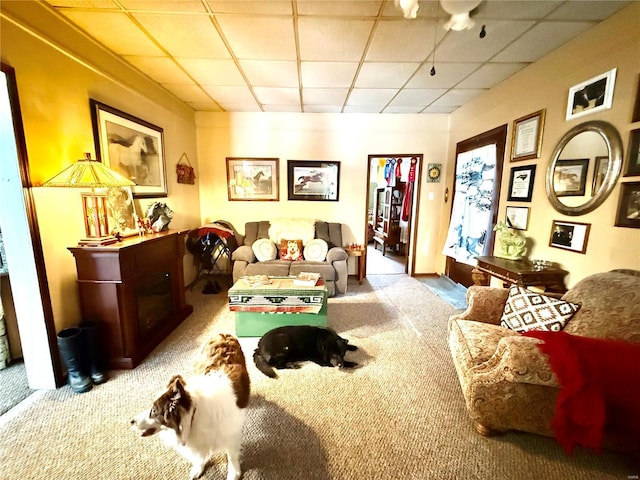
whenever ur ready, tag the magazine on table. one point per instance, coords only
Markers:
(306, 279)
(257, 280)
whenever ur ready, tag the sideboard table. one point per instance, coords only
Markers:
(135, 290)
(519, 272)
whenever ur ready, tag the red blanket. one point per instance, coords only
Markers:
(600, 382)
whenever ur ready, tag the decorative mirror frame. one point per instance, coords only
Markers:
(613, 141)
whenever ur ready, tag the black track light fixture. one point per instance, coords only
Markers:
(483, 32)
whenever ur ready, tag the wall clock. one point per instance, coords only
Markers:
(433, 172)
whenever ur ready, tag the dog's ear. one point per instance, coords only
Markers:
(177, 392)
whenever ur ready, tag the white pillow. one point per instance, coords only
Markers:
(316, 250)
(292, 229)
(264, 249)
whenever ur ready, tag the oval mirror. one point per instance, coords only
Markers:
(584, 168)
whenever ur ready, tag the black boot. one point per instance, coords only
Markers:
(70, 345)
(94, 359)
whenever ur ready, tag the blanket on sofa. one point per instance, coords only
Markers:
(600, 382)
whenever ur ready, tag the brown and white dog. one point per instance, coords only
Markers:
(205, 413)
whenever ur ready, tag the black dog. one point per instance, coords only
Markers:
(283, 346)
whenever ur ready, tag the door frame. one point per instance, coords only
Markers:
(410, 264)
(461, 272)
(39, 347)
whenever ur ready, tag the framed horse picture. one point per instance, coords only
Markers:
(130, 146)
(312, 180)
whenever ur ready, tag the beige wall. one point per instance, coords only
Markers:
(614, 43)
(54, 86)
(347, 138)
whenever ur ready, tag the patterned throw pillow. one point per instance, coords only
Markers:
(264, 250)
(526, 310)
(291, 250)
(316, 250)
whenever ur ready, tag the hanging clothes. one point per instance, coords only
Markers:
(472, 205)
(408, 192)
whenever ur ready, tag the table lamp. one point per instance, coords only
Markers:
(90, 173)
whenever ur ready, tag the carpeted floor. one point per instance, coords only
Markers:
(400, 415)
(13, 386)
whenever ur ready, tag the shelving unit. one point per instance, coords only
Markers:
(388, 210)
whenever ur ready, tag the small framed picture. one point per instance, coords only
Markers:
(132, 147)
(591, 96)
(628, 214)
(633, 156)
(517, 217)
(570, 235)
(121, 210)
(313, 180)
(527, 136)
(521, 183)
(599, 172)
(252, 179)
(570, 177)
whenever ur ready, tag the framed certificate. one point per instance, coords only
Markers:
(527, 136)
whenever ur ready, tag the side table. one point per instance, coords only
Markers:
(358, 252)
(519, 272)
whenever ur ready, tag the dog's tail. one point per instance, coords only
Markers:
(263, 365)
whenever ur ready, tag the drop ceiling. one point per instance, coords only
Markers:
(326, 56)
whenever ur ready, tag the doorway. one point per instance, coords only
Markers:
(392, 192)
(475, 198)
(35, 331)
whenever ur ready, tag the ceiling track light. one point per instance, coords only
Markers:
(483, 32)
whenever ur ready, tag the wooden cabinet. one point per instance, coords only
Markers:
(135, 288)
(387, 216)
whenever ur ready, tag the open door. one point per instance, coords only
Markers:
(475, 197)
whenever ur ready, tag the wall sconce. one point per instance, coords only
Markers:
(90, 173)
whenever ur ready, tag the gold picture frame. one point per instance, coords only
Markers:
(526, 141)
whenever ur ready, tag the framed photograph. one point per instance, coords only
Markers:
(311, 180)
(633, 155)
(570, 235)
(628, 214)
(121, 210)
(636, 108)
(253, 179)
(132, 147)
(527, 136)
(570, 177)
(521, 183)
(599, 172)
(517, 217)
(591, 96)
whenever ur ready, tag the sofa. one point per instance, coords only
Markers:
(510, 383)
(260, 251)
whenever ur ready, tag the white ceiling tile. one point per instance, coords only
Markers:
(405, 41)
(188, 93)
(270, 74)
(130, 40)
(161, 69)
(466, 46)
(324, 74)
(540, 40)
(328, 39)
(240, 107)
(457, 97)
(278, 96)
(587, 10)
(439, 109)
(164, 5)
(377, 96)
(186, 36)
(514, 10)
(282, 108)
(338, 8)
(324, 96)
(212, 72)
(490, 74)
(230, 95)
(205, 107)
(363, 108)
(418, 97)
(258, 7)
(261, 38)
(322, 108)
(385, 75)
(85, 4)
(447, 75)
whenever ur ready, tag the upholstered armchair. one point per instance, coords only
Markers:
(506, 380)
